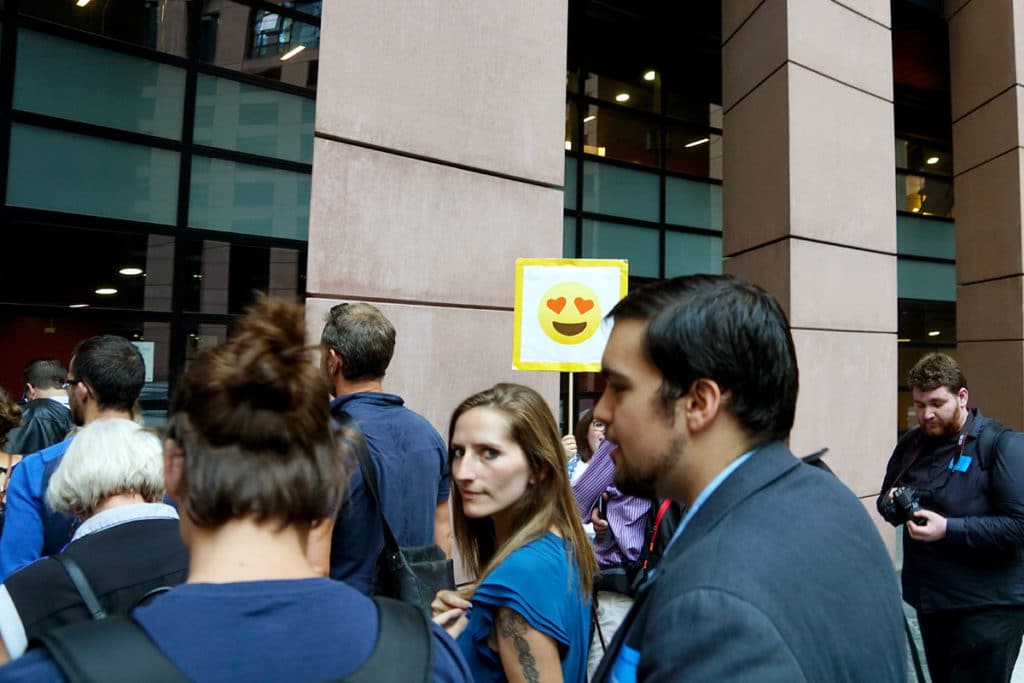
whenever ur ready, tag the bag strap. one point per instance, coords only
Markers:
(649, 549)
(115, 650)
(81, 584)
(369, 475)
(988, 442)
(404, 652)
(914, 654)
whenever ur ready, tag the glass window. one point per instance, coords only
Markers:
(221, 277)
(570, 183)
(247, 118)
(75, 173)
(71, 80)
(236, 197)
(693, 151)
(569, 237)
(98, 269)
(693, 203)
(925, 237)
(924, 322)
(926, 195)
(611, 240)
(920, 156)
(622, 135)
(925, 280)
(156, 25)
(686, 254)
(571, 122)
(620, 191)
(259, 42)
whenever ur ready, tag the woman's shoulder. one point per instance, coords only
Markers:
(548, 553)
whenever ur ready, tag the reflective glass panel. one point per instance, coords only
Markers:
(570, 183)
(569, 237)
(236, 197)
(221, 277)
(259, 42)
(693, 151)
(72, 80)
(693, 203)
(687, 253)
(926, 195)
(925, 237)
(921, 156)
(247, 118)
(620, 191)
(131, 270)
(622, 135)
(925, 280)
(571, 121)
(602, 239)
(75, 173)
(157, 25)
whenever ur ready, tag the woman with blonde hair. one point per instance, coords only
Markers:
(517, 527)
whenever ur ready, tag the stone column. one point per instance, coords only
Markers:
(986, 73)
(438, 160)
(809, 214)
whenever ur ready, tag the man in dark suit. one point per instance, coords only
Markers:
(776, 573)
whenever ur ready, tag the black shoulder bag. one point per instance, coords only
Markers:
(413, 574)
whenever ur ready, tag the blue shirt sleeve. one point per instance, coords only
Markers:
(36, 666)
(22, 539)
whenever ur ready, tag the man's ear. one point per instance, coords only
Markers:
(30, 391)
(701, 404)
(174, 469)
(334, 362)
(962, 397)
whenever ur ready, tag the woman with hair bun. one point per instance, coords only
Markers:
(520, 534)
(254, 465)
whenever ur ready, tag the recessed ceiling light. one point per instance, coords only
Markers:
(106, 291)
(650, 75)
(695, 143)
(934, 333)
(292, 52)
(903, 340)
(622, 97)
(83, 3)
(130, 271)
(588, 119)
(931, 161)
(79, 306)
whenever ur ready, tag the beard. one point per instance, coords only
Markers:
(643, 482)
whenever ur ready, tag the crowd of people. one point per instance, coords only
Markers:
(672, 536)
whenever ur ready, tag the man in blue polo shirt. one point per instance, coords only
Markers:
(106, 376)
(409, 456)
(775, 573)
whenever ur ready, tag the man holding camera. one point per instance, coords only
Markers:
(956, 482)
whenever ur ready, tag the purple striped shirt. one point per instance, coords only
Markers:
(627, 515)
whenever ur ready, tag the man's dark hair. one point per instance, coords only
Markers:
(44, 373)
(936, 370)
(727, 330)
(113, 369)
(363, 337)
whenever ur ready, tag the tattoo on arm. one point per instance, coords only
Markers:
(512, 625)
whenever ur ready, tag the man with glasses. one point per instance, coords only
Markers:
(45, 416)
(106, 376)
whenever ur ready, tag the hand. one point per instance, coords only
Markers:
(453, 621)
(600, 525)
(569, 444)
(934, 528)
(447, 601)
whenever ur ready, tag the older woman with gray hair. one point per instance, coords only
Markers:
(126, 546)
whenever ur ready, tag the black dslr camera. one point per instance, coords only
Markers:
(906, 504)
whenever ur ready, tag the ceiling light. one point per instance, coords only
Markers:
(130, 271)
(82, 3)
(588, 119)
(688, 145)
(622, 97)
(568, 148)
(106, 291)
(903, 340)
(650, 75)
(931, 161)
(934, 333)
(79, 306)
(292, 52)
(916, 209)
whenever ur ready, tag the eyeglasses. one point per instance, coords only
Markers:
(70, 382)
(598, 425)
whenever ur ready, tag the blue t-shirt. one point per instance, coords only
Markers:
(541, 582)
(292, 630)
(28, 523)
(411, 463)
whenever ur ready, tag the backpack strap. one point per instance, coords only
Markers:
(114, 650)
(989, 438)
(404, 652)
(81, 584)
